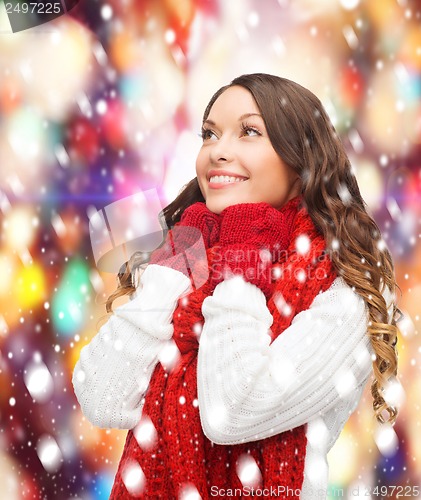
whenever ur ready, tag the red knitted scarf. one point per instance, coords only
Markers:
(182, 459)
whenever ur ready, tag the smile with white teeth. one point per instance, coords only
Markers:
(226, 179)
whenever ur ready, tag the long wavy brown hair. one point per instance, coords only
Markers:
(305, 139)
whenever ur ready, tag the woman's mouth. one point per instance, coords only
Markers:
(217, 181)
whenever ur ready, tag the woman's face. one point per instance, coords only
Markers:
(237, 162)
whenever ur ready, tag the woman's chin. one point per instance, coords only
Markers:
(216, 206)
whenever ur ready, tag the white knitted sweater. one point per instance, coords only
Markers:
(248, 388)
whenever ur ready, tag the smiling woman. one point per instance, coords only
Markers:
(270, 356)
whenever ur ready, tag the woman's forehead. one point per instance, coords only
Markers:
(235, 100)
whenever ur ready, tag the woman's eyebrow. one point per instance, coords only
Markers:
(247, 115)
(242, 117)
(209, 122)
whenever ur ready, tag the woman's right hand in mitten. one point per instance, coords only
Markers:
(199, 216)
(251, 236)
(185, 244)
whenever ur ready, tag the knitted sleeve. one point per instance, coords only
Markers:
(114, 369)
(250, 388)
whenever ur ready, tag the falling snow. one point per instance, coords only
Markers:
(169, 355)
(386, 440)
(133, 478)
(248, 471)
(49, 453)
(145, 433)
(38, 381)
(302, 244)
(189, 492)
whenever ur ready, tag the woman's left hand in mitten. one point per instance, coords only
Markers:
(251, 236)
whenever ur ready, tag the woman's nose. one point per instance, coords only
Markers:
(222, 151)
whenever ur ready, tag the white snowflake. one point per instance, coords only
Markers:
(302, 244)
(133, 478)
(101, 107)
(344, 194)
(106, 12)
(49, 453)
(248, 471)
(345, 382)
(283, 307)
(217, 416)
(317, 434)
(335, 244)
(169, 355)
(145, 433)
(316, 468)
(301, 275)
(386, 439)
(189, 492)
(381, 245)
(197, 328)
(394, 393)
(38, 381)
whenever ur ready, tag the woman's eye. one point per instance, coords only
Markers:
(207, 134)
(250, 131)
